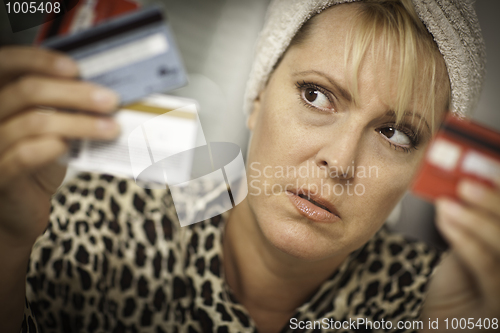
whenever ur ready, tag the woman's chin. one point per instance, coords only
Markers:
(303, 239)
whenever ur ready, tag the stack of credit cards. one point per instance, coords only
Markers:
(134, 54)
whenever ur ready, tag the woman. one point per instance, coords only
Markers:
(361, 87)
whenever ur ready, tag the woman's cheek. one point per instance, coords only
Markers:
(383, 183)
(279, 135)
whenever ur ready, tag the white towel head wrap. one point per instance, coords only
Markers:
(452, 23)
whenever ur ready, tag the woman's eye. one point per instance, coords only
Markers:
(316, 98)
(396, 136)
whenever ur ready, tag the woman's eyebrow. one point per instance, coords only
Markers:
(348, 97)
(345, 94)
(392, 113)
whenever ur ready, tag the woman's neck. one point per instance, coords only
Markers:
(267, 281)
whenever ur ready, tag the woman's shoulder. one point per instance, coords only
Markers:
(391, 246)
(389, 275)
(100, 200)
(95, 216)
(392, 262)
(113, 196)
(109, 243)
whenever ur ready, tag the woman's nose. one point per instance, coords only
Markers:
(339, 155)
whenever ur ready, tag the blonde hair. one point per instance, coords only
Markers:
(392, 31)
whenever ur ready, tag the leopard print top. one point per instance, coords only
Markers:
(114, 259)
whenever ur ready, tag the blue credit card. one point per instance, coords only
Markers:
(134, 54)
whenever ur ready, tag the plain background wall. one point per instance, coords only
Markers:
(488, 111)
(216, 40)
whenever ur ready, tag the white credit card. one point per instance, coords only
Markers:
(152, 129)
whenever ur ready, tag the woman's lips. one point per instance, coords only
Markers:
(312, 211)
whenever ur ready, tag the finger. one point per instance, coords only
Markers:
(19, 60)
(480, 195)
(30, 155)
(64, 125)
(481, 225)
(480, 260)
(31, 91)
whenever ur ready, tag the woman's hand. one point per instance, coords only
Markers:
(467, 283)
(36, 85)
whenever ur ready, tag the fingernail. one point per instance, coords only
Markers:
(65, 65)
(104, 96)
(449, 208)
(471, 190)
(496, 181)
(106, 124)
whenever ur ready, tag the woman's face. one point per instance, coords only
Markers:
(309, 138)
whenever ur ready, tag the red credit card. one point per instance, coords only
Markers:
(461, 149)
(85, 14)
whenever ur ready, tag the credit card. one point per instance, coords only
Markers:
(151, 129)
(461, 149)
(134, 54)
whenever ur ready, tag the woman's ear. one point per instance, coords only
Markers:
(252, 118)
